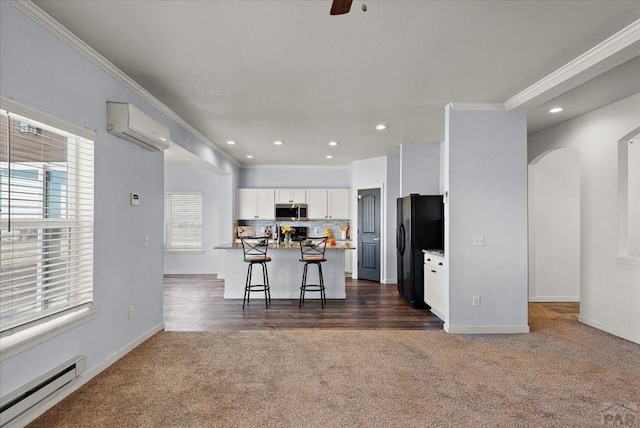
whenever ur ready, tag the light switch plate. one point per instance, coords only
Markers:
(135, 199)
(478, 240)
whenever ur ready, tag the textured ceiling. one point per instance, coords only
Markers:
(259, 71)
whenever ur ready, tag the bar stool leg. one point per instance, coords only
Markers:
(323, 297)
(303, 285)
(265, 282)
(247, 285)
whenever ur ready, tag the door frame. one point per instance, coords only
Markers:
(383, 229)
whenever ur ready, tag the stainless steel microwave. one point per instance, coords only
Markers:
(291, 212)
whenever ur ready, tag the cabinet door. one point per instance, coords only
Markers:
(430, 286)
(291, 196)
(338, 203)
(247, 204)
(299, 196)
(266, 204)
(283, 196)
(317, 201)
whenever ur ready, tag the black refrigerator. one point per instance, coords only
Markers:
(420, 227)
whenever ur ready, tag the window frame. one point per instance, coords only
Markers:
(16, 338)
(171, 247)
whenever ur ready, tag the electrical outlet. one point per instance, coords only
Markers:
(131, 313)
(476, 301)
(146, 241)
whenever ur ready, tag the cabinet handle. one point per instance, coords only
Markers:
(440, 264)
(433, 271)
(428, 260)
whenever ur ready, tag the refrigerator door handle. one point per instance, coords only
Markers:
(401, 240)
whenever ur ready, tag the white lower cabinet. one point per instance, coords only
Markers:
(436, 290)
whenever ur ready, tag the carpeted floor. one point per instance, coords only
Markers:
(562, 374)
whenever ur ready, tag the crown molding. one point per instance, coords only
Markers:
(54, 27)
(614, 44)
(477, 106)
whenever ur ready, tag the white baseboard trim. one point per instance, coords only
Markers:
(40, 408)
(389, 281)
(542, 299)
(486, 329)
(607, 329)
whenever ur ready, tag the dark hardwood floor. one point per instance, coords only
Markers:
(195, 303)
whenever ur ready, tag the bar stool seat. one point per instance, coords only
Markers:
(255, 253)
(312, 253)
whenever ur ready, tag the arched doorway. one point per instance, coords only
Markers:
(554, 227)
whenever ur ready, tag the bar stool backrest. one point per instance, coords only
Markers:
(312, 249)
(255, 248)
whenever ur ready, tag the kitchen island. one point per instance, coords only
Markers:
(285, 271)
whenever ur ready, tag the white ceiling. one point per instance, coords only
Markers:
(259, 71)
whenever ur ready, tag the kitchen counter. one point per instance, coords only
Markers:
(339, 245)
(285, 271)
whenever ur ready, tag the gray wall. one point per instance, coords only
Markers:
(218, 224)
(487, 183)
(72, 88)
(420, 169)
(295, 177)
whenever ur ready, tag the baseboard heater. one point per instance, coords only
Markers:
(22, 399)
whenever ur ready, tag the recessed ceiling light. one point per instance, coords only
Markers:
(231, 143)
(329, 157)
(381, 127)
(333, 143)
(249, 156)
(278, 143)
(556, 110)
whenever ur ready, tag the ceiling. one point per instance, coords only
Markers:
(259, 71)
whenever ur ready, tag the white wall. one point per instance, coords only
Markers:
(633, 155)
(126, 273)
(393, 193)
(295, 177)
(610, 288)
(554, 227)
(486, 177)
(218, 224)
(420, 169)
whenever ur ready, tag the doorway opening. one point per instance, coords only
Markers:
(554, 227)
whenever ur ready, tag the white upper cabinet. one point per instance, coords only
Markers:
(254, 204)
(328, 203)
(317, 204)
(291, 196)
(338, 203)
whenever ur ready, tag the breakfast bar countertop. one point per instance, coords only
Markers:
(339, 245)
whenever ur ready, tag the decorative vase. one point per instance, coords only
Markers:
(287, 239)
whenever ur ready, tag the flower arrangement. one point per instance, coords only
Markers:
(287, 229)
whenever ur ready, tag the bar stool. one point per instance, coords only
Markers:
(312, 253)
(255, 253)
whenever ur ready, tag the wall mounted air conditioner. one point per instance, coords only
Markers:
(127, 122)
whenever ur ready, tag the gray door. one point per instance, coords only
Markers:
(369, 234)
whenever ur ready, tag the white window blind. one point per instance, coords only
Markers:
(183, 221)
(46, 222)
